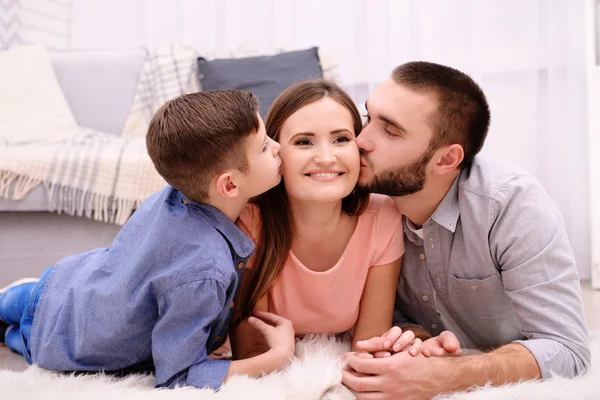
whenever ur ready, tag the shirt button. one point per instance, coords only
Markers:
(474, 287)
(185, 202)
(232, 304)
(422, 256)
(433, 326)
(218, 338)
(240, 265)
(425, 298)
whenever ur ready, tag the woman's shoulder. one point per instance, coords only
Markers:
(380, 203)
(381, 212)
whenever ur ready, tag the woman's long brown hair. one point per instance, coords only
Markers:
(276, 233)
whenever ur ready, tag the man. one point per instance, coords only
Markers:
(487, 257)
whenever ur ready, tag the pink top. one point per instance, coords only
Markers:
(329, 301)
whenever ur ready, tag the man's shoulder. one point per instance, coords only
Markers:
(487, 178)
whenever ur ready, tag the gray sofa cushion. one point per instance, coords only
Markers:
(265, 76)
(99, 84)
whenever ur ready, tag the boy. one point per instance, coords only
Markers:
(161, 295)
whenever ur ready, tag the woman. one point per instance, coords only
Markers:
(328, 256)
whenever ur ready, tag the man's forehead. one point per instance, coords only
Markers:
(391, 96)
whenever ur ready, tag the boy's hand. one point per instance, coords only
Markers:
(278, 332)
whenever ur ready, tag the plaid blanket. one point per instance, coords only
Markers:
(95, 174)
(98, 175)
(170, 72)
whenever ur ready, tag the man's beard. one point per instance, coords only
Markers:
(400, 181)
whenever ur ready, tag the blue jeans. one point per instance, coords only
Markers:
(17, 306)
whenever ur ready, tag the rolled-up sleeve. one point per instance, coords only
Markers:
(540, 277)
(180, 337)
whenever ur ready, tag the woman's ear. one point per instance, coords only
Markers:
(226, 185)
(450, 158)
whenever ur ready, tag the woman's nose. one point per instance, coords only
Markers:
(325, 155)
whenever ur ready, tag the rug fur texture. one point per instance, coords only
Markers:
(315, 375)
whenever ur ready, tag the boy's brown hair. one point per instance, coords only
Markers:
(193, 137)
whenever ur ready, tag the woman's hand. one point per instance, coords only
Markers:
(394, 341)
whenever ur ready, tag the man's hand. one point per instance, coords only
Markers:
(278, 332)
(399, 376)
(446, 344)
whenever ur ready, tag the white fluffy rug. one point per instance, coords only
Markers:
(317, 376)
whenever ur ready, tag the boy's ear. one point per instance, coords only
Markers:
(226, 186)
(450, 159)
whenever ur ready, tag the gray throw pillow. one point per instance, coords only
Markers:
(265, 76)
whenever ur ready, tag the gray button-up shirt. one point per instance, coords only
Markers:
(495, 266)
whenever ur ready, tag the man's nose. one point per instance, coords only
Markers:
(364, 142)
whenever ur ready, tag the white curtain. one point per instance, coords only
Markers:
(528, 55)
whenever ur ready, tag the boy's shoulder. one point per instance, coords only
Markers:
(182, 233)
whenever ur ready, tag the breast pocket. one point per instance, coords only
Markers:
(482, 298)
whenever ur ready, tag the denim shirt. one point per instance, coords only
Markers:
(161, 295)
(495, 266)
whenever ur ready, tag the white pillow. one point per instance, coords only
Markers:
(32, 104)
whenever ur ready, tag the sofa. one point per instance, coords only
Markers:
(115, 93)
(99, 87)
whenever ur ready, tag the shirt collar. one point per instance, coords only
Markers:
(239, 242)
(447, 212)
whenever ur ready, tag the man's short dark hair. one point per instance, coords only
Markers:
(463, 114)
(195, 136)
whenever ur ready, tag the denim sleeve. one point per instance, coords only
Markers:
(181, 334)
(540, 277)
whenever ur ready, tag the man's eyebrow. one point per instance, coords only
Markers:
(393, 123)
(388, 121)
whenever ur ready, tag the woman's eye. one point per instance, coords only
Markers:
(342, 139)
(303, 142)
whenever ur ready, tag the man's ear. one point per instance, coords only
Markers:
(449, 158)
(226, 185)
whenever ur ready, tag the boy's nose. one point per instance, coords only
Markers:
(276, 146)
